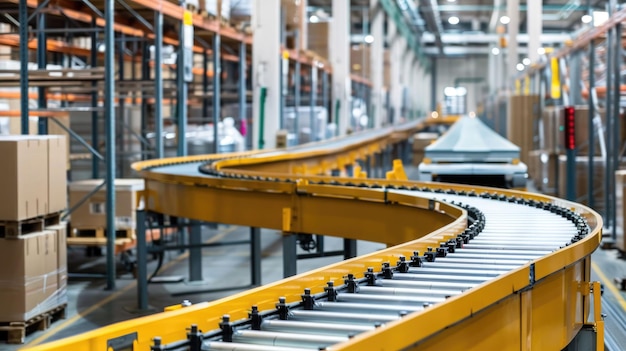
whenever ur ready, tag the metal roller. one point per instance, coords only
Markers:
(409, 284)
(316, 315)
(389, 299)
(406, 291)
(234, 346)
(285, 339)
(341, 329)
(365, 308)
(483, 261)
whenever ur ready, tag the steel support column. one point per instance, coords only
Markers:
(534, 28)
(349, 248)
(243, 116)
(339, 39)
(195, 251)
(23, 31)
(313, 104)
(142, 261)
(266, 67)
(181, 97)
(617, 140)
(109, 112)
(433, 84)
(217, 97)
(591, 126)
(297, 91)
(95, 126)
(255, 256)
(42, 63)
(325, 93)
(609, 127)
(290, 257)
(158, 83)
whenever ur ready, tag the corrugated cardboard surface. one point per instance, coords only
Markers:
(582, 174)
(57, 174)
(61, 230)
(54, 129)
(524, 111)
(318, 38)
(92, 213)
(24, 178)
(28, 285)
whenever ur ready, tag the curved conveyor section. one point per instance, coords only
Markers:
(467, 268)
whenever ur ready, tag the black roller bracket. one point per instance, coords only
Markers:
(255, 318)
(195, 338)
(353, 286)
(282, 308)
(430, 255)
(387, 271)
(402, 265)
(227, 329)
(442, 251)
(156, 344)
(370, 276)
(308, 301)
(331, 291)
(416, 260)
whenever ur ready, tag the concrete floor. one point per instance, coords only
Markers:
(91, 306)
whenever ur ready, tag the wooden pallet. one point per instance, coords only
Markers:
(128, 233)
(16, 331)
(15, 229)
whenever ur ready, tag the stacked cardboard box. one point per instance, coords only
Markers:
(92, 215)
(318, 39)
(524, 110)
(32, 186)
(582, 176)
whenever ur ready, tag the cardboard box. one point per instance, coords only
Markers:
(91, 214)
(24, 179)
(61, 263)
(28, 285)
(318, 39)
(582, 174)
(57, 173)
(54, 129)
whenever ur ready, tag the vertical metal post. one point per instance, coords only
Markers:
(368, 166)
(181, 99)
(195, 251)
(205, 85)
(313, 103)
(121, 144)
(243, 119)
(146, 150)
(95, 127)
(23, 30)
(617, 147)
(591, 127)
(325, 93)
(609, 126)
(255, 256)
(217, 72)
(349, 170)
(349, 248)
(433, 84)
(290, 258)
(142, 262)
(158, 83)
(109, 112)
(297, 80)
(41, 63)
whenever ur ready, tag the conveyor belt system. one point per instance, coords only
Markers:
(467, 268)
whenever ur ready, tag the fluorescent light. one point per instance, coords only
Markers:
(520, 67)
(314, 19)
(495, 51)
(541, 51)
(453, 20)
(586, 19)
(369, 39)
(526, 61)
(451, 0)
(505, 20)
(599, 17)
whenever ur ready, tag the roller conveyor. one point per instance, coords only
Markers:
(467, 268)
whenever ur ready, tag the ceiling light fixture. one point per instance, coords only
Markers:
(541, 51)
(368, 39)
(586, 19)
(314, 19)
(453, 20)
(495, 51)
(526, 61)
(505, 19)
(520, 67)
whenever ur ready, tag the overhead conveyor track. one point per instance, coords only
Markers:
(467, 268)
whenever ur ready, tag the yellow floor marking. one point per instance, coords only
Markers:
(118, 293)
(609, 285)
